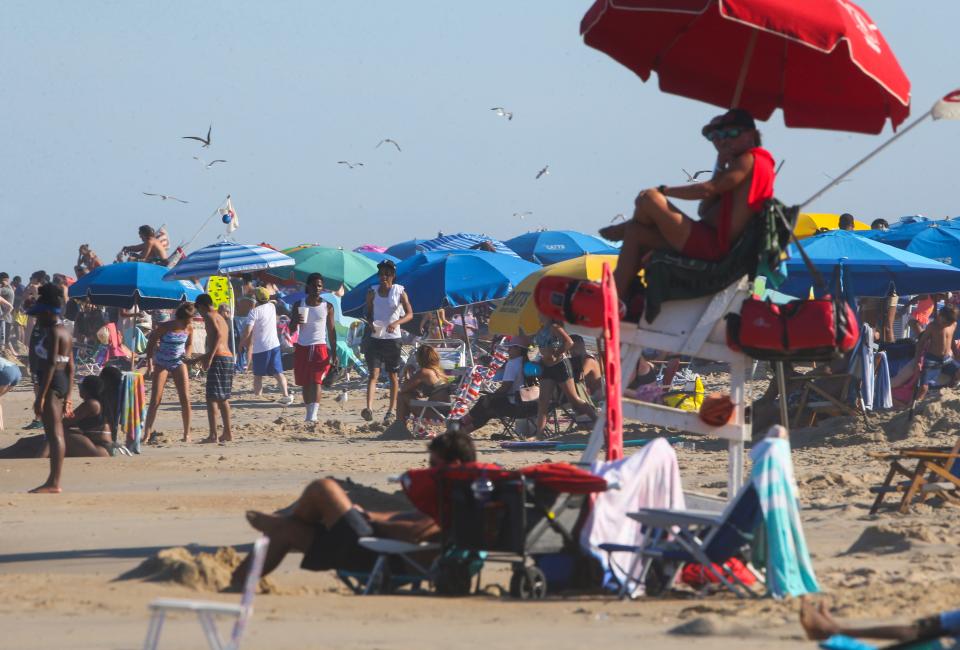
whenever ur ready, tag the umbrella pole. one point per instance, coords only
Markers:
(466, 334)
(133, 349)
(863, 160)
(439, 325)
(744, 68)
(782, 385)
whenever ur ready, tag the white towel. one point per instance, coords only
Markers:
(650, 478)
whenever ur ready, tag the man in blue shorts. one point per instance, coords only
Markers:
(263, 345)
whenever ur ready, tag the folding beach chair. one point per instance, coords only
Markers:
(385, 577)
(207, 611)
(698, 537)
(937, 472)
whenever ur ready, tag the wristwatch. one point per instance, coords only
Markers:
(662, 189)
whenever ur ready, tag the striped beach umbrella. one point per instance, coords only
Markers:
(224, 258)
(464, 241)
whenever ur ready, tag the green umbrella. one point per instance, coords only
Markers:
(336, 265)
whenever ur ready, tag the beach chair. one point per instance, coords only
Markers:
(207, 611)
(698, 537)
(937, 472)
(384, 578)
(828, 396)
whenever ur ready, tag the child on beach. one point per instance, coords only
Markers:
(217, 361)
(166, 349)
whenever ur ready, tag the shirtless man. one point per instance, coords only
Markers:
(936, 343)
(218, 363)
(326, 526)
(151, 250)
(742, 182)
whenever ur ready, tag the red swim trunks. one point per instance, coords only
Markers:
(703, 243)
(310, 364)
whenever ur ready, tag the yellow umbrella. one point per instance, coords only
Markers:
(518, 314)
(810, 222)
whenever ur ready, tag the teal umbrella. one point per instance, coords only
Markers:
(337, 266)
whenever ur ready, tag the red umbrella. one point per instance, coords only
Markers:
(823, 62)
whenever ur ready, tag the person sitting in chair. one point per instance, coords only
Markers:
(428, 381)
(742, 182)
(506, 401)
(326, 526)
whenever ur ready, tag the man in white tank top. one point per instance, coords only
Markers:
(314, 319)
(388, 307)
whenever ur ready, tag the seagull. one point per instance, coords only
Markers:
(350, 165)
(210, 164)
(388, 140)
(543, 172)
(502, 112)
(164, 197)
(521, 215)
(342, 398)
(835, 181)
(206, 142)
(692, 177)
(618, 216)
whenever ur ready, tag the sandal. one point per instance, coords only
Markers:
(367, 415)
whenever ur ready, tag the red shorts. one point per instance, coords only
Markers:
(703, 243)
(310, 364)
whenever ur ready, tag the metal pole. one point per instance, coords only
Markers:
(863, 160)
(782, 385)
(466, 334)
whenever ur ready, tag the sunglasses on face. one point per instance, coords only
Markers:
(724, 134)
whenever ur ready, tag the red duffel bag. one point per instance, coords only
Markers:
(801, 330)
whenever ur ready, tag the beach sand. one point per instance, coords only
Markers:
(61, 557)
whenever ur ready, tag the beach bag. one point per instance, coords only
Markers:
(697, 576)
(819, 329)
(688, 399)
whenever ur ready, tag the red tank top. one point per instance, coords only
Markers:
(761, 189)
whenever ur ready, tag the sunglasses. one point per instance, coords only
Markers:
(724, 134)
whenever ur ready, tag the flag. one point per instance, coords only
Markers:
(229, 216)
(948, 108)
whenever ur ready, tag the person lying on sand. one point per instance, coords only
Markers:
(741, 183)
(326, 526)
(819, 625)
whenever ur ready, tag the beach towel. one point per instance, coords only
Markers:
(132, 411)
(789, 569)
(649, 478)
(882, 393)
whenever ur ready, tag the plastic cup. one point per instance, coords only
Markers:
(379, 328)
(304, 312)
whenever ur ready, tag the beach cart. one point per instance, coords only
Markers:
(528, 518)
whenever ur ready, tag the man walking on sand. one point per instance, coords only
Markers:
(218, 363)
(263, 345)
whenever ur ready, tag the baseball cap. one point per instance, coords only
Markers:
(734, 117)
(262, 294)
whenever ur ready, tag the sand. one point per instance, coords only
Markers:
(78, 569)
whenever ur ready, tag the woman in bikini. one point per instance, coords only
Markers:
(166, 350)
(429, 382)
(51, 361)
(84, 432)
(555, 345)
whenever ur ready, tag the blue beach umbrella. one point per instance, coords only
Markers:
(379, 257)
(133, 283)
(552, 246)
(227, 257)
(449, 279)
(869, 267)
(405, 249)
(463, 241)
(941, 244)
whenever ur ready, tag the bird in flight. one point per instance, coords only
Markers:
(349, 164)
(502, 112)
(692, 177)
(521, 215)
(164, 197)
(543, 172)
(618, 217)
(389, 141)
(210, 164)
(205, 141)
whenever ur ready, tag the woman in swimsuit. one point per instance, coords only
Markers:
(429, 382)
(51, 360)
(166, 349)
(84, 432)
(555, 345)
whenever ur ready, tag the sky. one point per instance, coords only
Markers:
(97, 95)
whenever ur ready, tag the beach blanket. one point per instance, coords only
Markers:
(132, 411)
(649, 478)
(789, 570)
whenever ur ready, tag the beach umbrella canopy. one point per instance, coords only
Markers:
(464, 241)
(126, 284)
(370, 248)
(809, 223)
(869, 268)
(939, 243)
(518, 314)
(902, 233)
(226, 257)
(379, 257)
(823, 62)
(405, 249)
(552, 246)
(435, 280)
(337, 266)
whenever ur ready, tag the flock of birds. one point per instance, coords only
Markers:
(206, 165)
